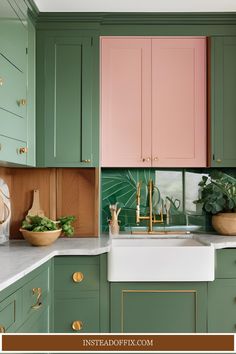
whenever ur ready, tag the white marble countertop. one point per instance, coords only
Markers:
(18, 258)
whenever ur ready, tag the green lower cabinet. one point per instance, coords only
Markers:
(222, 306)
(80, 294)
(158, 307)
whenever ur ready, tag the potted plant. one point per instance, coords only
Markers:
(218, 197)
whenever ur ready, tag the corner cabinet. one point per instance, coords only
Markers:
(223, 103)
(17, 85)
(158, 307)
(26, 306)
(67, 82)
(153, 102)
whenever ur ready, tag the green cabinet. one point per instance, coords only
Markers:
(222, 294)
(223, 103)
(158, 307)
(17, 81)
(67, 115)
(26, 306)
(76, 294)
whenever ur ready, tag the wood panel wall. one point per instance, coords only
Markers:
(63, 191)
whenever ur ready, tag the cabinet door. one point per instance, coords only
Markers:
(158, 307)
(68, 102)
(222, 306)
(125, 102)
(179, 102)
(223, 103)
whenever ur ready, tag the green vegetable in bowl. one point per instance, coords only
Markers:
(41, 224)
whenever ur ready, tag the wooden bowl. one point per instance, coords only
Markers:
(44, 238)
(225, 223)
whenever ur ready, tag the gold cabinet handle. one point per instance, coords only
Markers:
(86, 161)
(77, 277)
(22, 102)
(155, 158)
(2, 329)
(218, 160)
(23, 150)
(146, 159)
(38, 304)
(1, 81)
(77, 325)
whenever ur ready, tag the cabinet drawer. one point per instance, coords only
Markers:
(76, 274)
(10, 150)
(84, 310)
(12, 89)
(10, 312)
(37, 324)
(36, 295)
(226, 263)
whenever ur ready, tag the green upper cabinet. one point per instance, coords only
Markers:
(223, 102)
(17, 84)
(158, 307)
(67, 130)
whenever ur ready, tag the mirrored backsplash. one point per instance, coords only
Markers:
(173, 194)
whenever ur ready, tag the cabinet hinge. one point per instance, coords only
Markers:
(213, 157)
(91, 41)
(26, 50)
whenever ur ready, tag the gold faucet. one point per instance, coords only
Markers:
(152, 216)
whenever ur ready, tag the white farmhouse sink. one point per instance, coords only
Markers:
(159, 259)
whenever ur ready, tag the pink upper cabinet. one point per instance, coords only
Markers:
(125, 102)
(153, 101)
(179, 127)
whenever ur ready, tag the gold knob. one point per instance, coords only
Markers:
(1, 81)
(77, 325)
(22, 102)
(2, 329)
(77, 277)
(218, 160)
(86, 161)
(147, 159)
(23, 150)
(155, 158)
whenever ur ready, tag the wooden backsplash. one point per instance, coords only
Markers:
(63, 191)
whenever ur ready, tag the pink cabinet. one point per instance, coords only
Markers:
(153, 102)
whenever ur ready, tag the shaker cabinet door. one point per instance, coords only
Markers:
(179, 124)
(65, 93)
(223, 103)
(125, 102)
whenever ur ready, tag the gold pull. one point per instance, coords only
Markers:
(1, 81)
(38, 304)
(22, 102)
(23, 150)
(77, 325)
(218, 161)
(147, 159)
(77, 277)
(155, 158)
(86, 161)
(2, 329)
